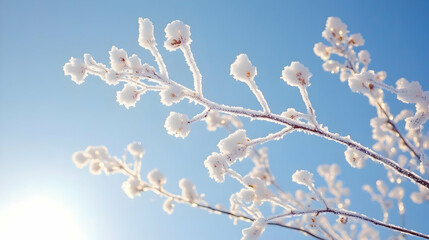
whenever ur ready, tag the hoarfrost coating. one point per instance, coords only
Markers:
(295, 211)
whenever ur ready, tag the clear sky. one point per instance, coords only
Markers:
(45, 117)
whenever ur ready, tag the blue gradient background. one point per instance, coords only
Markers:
(45, 117)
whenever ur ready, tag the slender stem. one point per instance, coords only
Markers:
(189, 57)
(259, 96)
(158, 58)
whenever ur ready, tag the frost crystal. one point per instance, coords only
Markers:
(136, 149)
(177, 125)
(76, 69)
(296, 75)
(171, 95)
(118, 59)
(216, 164)
(303, 177)
(234, 146)
(177, 34)
(156, 178)
(355, 158)
(128, 96)
(254, 231)
(146, 38)
(242, 69)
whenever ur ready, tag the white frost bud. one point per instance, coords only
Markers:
(242, 69)
(331, 66)
(177, 124)
(254, 231)
(76, 69)
(364, 57)
(156, 178)
(303, 177)
(189, 192)
(118, 59)
(355, 158)
(129, 95)
(234, 146)
(80, 159)
(136, 149)
(168, 206)
(356, 39)
(177, 34)
(216, 164)
(132, 187)
(322, 51)
(296, 75)
(146, 37)
(172, 94)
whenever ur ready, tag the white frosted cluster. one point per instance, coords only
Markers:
(76, 69)
(364, 57)
(178, 34)
(215, 120)
(292, 114)
(331, 66)
(146, 37)
(177, 124)
(168, 206)
(156, 178)
(133, 186)
(355, 158)
(242, 69)
(335, 31)
(303, 177)
(234, 146)
(258, 187)
(356, 39)
(189, 192)
(254, 231)
(296, 75)
(135, 149)
(217, 166)
(246, 195)
(322, 51)
(118, 59)
(129, 95)
(172, 94)
(98, 159)
(361, 83)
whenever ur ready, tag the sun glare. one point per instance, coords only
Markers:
(38, 218)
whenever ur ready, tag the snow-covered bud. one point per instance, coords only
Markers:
(146, 38)
(177, 34)
(129, 95)
(234, 146)
(322, 51)
(292, 114)
(382, 188)
(242, 69)
(422, 195)
(76, 69)
(335, 31)
(246, 195)
(135, 149)
(303, 177)
(132, 187)
(80, 159)
(156, 178)
(409, 92)
(95, 167)
(344, 75)
(331, 66)
(172, 94)
(216, 164)
(296, 75)
(381, 75)
(254, 231)
(168, 206)
(136, 64)
(177, 124)
(118, 59)
(397, 193)
(189, 192)
(364, 57)
(355, 158)
(356, 40)
(112, 77)
(97, 152)
(360, 83)
(417, 120)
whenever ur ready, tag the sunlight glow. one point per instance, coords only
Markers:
(38, 218)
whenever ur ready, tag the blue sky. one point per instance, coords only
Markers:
(45, 117)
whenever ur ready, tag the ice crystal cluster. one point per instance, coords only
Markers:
(309, 210)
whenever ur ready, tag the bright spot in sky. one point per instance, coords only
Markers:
(38, 218)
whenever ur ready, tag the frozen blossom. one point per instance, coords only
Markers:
(168, 206)
(361, 82)
(331, 66)
(178, 34)
(355, 158)
(118, 59)
(129, 95)
(303, 177)
(234, 146)
(409, 92)
(80, 159)
(156, 178)
(136, 149)
(146, 37)
(242, 69)
(112, 77)
(217, 166)
(296, 75)
(189, 192)
(215, 120)
(76, 69)
(420, 196)
(364, 57)
(336, 30)
(172, 94)
(258, 187)
(246, 195)
(132, 187)
(322, 51)
(356, 39)
(177, 125)
(95, 167)
(254, 231)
